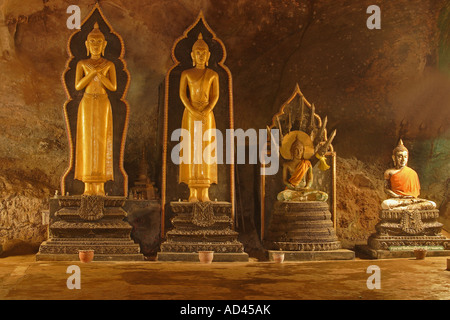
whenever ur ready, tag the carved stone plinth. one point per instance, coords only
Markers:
(201, 226)
(301, 226)
(78, 223)
(304, 226)
(400, 231)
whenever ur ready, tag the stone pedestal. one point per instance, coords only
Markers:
(304, 231)
(401, 231)
(201, 226)
(97, 224)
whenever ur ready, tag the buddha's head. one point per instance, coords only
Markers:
(200, 52)
(95, 43)
(297, 150)
(400, 155)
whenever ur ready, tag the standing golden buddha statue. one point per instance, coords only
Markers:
(94, 154)
(203, 86)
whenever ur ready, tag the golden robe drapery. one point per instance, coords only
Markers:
(94, 154)
(197, 171)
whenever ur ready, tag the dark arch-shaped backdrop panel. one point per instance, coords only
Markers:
(114, 52)
(173, 112)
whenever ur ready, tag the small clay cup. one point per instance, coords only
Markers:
(86, 256)
(420, 253)
(206, 256)
(278, 257)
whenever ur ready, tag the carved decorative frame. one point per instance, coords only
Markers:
(220, 63)
(122, 99)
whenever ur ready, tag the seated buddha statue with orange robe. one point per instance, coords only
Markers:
(402, 184)
(297, 172)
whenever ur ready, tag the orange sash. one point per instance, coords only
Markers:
(300, 172)
(406, 183)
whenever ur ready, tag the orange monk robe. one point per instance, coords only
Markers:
(405, 183)
(300, 171)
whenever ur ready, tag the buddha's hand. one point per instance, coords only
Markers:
(198, 115)
(205, 112)
(392, 194)
(100, 75)
(92, 72)
(289, 185)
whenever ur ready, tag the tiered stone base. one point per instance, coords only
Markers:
(304, 231)
(202, 226)
(108, 235)
(400, 231)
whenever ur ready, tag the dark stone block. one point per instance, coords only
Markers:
(145, 218)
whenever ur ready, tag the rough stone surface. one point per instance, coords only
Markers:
(22, 201)
(359, 189)
(374, 86)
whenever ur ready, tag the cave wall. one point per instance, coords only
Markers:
(374, 85)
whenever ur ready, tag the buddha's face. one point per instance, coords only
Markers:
(297, 151)
(400, 159)
(200, 56)
(96, 44)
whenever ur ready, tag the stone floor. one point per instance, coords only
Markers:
(21, 277)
